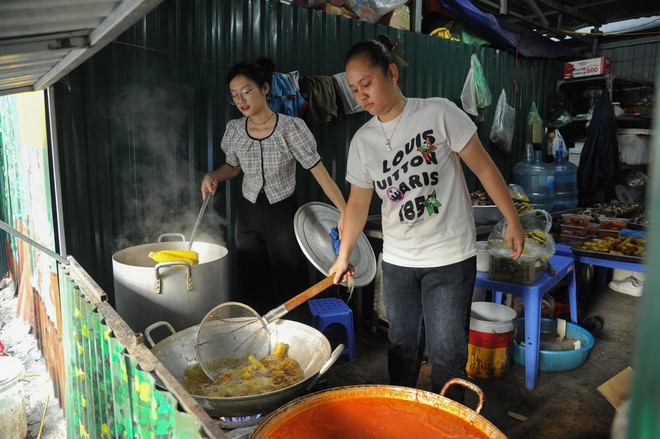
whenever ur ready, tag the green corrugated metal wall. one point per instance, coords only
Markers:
(141, 122)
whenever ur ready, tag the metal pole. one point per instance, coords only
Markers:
(32, 242)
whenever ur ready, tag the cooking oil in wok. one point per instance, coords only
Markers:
(252, 377)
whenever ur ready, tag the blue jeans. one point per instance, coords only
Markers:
(429, 307)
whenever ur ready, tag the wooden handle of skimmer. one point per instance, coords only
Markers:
(309, 293)
(313, 290)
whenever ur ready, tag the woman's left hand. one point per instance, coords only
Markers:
(515, 239)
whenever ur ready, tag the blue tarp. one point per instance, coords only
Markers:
(505, 33)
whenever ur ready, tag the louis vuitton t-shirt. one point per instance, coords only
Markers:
(426, 211)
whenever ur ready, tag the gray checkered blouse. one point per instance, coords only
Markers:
(270, 163)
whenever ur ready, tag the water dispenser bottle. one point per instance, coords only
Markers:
(537, 178)
(566, 190)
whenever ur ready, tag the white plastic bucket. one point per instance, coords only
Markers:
(490, 346)
(13, 420)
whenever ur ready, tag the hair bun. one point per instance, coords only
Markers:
(267, 65)
(386, 41)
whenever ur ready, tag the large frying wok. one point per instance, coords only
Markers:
(310, 348)
(378, 411)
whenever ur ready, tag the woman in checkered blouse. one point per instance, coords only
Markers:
(266, 146)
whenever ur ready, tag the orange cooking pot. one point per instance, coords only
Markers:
(378, 411)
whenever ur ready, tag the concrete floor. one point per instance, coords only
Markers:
(564, 404)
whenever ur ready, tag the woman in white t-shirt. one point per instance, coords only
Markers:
(410, 154)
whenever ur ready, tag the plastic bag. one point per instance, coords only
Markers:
(373, 10)
(469, 94)
(534, 128)
(520, 198)
(557, 114)
(475, 94)
(484, 98)
(503, 124)
(539, 244)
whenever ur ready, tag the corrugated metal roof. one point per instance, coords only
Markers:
(43, 40)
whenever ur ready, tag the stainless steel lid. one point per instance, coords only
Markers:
(312, 224)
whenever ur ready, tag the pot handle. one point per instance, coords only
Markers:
(333, 357)
(174, 264)
(467, 384)
(176, 235)
(147, 332)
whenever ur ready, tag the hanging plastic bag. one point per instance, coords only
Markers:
(484, 98)
(503, 124)
(475, 94)
(557, 114)
(469, 94)
(534, 127)
(520, 198)
(373, 10)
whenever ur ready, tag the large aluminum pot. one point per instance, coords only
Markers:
(310, 348)
(180, 293)
(377, 411)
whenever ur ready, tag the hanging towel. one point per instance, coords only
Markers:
(283, 97)
(294, 77)
(320, 94)
(345, 94)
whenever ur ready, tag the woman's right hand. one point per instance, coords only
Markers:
(209, 185)
(342, 271)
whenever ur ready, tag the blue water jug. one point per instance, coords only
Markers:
(566, 189)
(537, 178)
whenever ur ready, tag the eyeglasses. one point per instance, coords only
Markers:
(244, 95)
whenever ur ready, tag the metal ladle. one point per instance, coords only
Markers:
(199, 218)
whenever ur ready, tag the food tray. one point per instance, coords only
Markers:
(312, 224)
(636, 226)
(610, 256)
(486, 215)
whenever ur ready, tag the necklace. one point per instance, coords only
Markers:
(388, 139)
(264, 122)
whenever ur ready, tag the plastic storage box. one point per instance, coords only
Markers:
(613, 223)
(574, 219)
(573, 241)
(574, 230)
(526, 270)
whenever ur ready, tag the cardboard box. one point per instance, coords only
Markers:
(587, 67)
(398, 18)
(617, 388)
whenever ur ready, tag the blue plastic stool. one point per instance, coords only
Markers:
(532, 295)
(328, 311)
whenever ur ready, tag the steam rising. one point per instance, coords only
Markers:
(157, 184)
